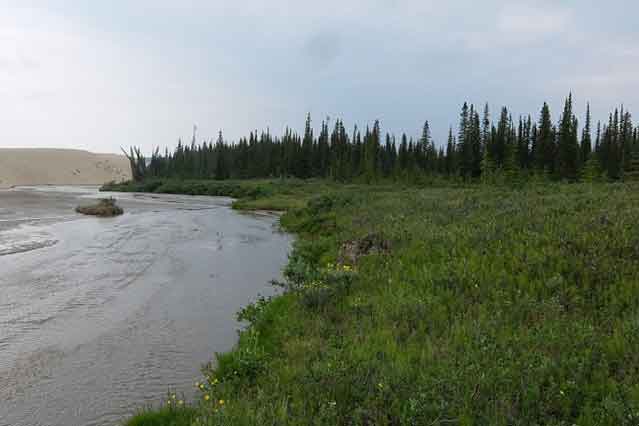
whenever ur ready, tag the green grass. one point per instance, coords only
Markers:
(486, 306)
(163, 417)
(261, 194)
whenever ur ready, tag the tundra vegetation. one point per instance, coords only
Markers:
(443, 305)
(499, 287)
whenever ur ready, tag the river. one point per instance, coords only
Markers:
(99, 317)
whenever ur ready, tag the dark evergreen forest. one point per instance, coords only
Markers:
(511, 149)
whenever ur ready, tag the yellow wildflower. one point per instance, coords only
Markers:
(207, 397)
(221, 402)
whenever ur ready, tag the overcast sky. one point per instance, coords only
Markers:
(100, 74)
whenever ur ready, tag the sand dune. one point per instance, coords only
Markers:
(60, 167)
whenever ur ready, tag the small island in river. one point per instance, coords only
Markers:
(106, 207)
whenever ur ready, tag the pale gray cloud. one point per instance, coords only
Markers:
(526, 23)
(97, 75)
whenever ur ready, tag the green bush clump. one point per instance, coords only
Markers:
(316, 287)
(174, 412)
(245, 363)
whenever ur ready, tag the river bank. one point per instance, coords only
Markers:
(475, 305)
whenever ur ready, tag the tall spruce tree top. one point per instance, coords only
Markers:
(586, 137)
(485, 127)
(502, 137)
(545, 149)
(451, 154)
(425, 139)
(221, 167)
(567, 147)
(475, 141)
(465, 148)
(305, 164)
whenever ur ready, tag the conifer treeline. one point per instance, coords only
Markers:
(481, 149)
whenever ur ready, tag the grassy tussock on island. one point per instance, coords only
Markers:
(105, 207)
(442, 306)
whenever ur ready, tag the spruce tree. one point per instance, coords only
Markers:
(614, 150)
(425, 143)
(545, 142)
(371, 148)
(523, 142)
(475, 141)
(403, 155)
(305, 166)
(485, 128)
(464, 143)
(586, 138)
(451, 155)
(322, 152)
(625, 139)
(509, 166)
(221, 167)
(502, 138)
(567, 148)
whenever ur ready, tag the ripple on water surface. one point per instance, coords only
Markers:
(100, 317)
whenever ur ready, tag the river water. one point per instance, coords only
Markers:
(99, 317)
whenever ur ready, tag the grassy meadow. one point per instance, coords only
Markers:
(458, 305)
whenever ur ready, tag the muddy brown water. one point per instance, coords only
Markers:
(99, 317)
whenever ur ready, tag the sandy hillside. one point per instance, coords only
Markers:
(60, 167)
